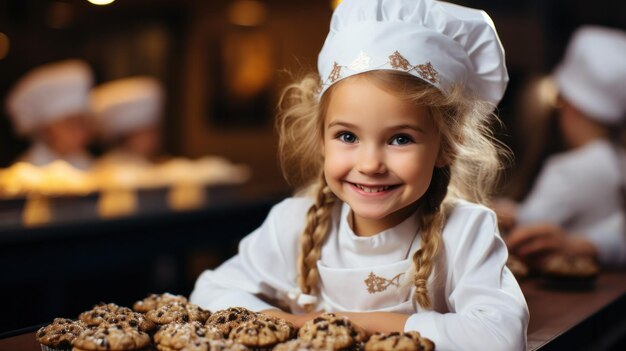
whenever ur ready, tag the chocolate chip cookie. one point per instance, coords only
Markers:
(230, 318)
(263, 331)
(101, 312)
(154, 301)
(331, 331)
(175, 336)
(203, 344)
(299, 345)
(59, 334)
(111, 337)
(178, 312)
(132, 320)
(408, 341)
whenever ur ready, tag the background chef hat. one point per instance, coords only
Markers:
(49, 93)
(592, 75)
(441, 43)
(126, 105)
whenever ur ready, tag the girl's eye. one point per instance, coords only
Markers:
(347, 137)
(401, 140)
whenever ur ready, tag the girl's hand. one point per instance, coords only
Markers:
(296, 319)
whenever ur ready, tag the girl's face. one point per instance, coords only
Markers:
(379, 153)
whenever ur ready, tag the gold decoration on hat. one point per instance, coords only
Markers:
(335, 73)
(376, 283)
(398, 61)
(426, 71)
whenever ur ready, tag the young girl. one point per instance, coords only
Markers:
(391, 144)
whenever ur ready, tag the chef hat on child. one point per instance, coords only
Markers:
(49, 93)
(441, 43)
(592, 75)
(126, 105)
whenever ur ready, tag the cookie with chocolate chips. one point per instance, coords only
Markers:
(59, 334)
(263, 331)
(408, 341)
(111, 337)
(230, 318)
(300, 345)
(101, 312)
(203, 344)
(154, 301)
(178, 312)
(331, 331)
(132, 320)
(175, 336)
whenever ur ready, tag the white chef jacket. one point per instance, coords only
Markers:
(477, 302)
(40, 154)
(579, 190)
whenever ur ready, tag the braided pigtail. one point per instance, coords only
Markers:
(432, 218)
(313, 236)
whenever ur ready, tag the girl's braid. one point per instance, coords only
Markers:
(432, 217)
(313, 236)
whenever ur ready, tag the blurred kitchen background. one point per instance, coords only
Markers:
(224, 62)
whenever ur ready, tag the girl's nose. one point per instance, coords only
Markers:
(371, 160)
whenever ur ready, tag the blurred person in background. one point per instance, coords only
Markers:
(49, 106)
(577, 205)
(128, 113)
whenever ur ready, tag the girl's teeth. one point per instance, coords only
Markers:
(372, 189)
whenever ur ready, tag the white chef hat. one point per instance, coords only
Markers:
(592, 75)
(126, 105)
(49, 93)
(441, 43)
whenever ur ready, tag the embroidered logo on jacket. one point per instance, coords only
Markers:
(376, 284)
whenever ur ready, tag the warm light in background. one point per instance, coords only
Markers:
(334, 3)
(547, 91)
(100, 2)
(4, 45)
(247, 13)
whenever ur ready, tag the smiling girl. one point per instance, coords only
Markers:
(393, 151)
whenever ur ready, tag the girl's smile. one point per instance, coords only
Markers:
(373, 190)
(379, 153)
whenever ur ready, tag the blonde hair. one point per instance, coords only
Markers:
(467, 144)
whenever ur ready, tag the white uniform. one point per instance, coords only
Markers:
(477, 301)
(39, 154)
(580, 191)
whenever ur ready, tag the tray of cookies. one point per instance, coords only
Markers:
(168, 322)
